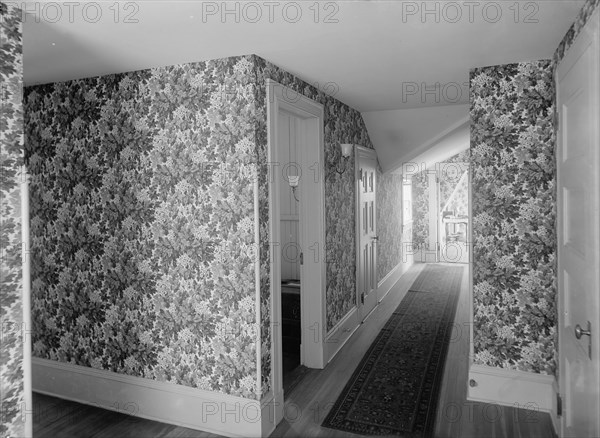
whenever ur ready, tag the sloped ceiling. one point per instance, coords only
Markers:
(404, 135)
(383, 58)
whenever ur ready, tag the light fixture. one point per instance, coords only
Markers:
(346, 149)
(293, 181)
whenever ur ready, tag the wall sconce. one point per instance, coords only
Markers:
(293, 181)
(346, 149)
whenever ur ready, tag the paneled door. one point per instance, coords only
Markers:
(366, 194)
(578, 190)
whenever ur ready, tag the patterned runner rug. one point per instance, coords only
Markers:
(395, 388)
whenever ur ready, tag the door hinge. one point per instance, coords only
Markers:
(558, 405)
(360, 175)
(362, 298)
(301, 258)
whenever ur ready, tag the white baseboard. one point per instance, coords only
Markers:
(208, 411)
(272, 406)
(345, 328)
(512, 388)
(386, 284)
(340, 333)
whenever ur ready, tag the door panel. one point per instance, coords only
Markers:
(578, 164)
(367, 231)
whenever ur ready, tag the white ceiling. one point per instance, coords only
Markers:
(419, 136)
(372, 55)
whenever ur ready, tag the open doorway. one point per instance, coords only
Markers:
(453, 212)
(289, 144)
(440, 196)
(297, 227)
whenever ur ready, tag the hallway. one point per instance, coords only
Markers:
(308, 404)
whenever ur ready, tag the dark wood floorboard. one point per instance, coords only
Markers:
(57, 418)
(308, 404)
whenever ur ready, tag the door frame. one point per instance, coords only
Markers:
(361, 151)
(573, 53)
(311, 227)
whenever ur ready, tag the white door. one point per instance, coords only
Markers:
(578, 191)
(366, 192)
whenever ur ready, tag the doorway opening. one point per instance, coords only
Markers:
(441, 218)
(289, 144)
(297, 226)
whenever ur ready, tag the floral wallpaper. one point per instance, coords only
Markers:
(513, 192)
(582, 18)
(389, 223)
(420, 205)
(142, 223)
(142, 205)
(11, 278)
(342, 124)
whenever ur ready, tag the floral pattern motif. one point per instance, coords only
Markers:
(142, 222)
(11, 278)
(420, 206)
(389, 223)
(513, 189)
(342, 124)
(143, 201)
(582, 18)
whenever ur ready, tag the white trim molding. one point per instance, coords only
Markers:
(518, 389)
(340, 333)
(346, 327)
(195, 408)
(386, 284)
(311, 227)
(26, 304)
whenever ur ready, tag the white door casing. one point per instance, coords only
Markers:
(578, 229)
(366, 230)
(311, 188)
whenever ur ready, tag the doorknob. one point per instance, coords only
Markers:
(375, 238)
(579, 332)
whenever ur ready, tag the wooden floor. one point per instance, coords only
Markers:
(308, 404)
(56, 418)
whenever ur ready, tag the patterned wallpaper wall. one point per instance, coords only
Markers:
(420, 205)
(530, 291)
(142, 222)
(11, 278)
(582, 18)
(513, 190)
(389, 223)
(142, 202)
(342, 124)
